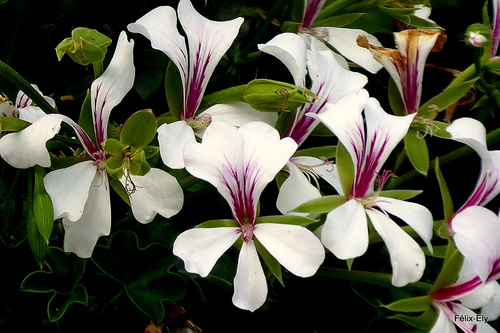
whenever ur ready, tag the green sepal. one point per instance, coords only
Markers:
(271, 262)
(417, 151)
(319, 152)
(138, 164)
(218, 223)
(85, 46)
(345, 168)
(448, 209)
(174, 90)
(273, 96)
(86, 120)
(37, 242)
(114, 166)
(228, 95)
(432, 128)
(9, 124)
(412, 304)
(113, 147)
(450, 271)
(395, 99)
(43, 210)
(424, 322)
(139, 130)
(286, 219)
(400, 194)
(289, 26)
(338, 20)
(150, 151)
(321, 205)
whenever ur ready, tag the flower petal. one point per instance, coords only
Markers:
(26, 148)
(345, 232)
(108, 90)
(407, 258)
(470, 132)
(295, 190)
(157, 192)
(477, 232)
(295, 247)
(418, 217)
(250, 285)
(69, 189)
(160, 27)
(291, 50)
(200, 248)
(81, 235)
(208, 41)
(344, 41)
(492, 308)
(172, 139)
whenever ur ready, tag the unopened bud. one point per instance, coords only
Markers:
(478, 35)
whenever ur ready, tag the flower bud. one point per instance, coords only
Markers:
(478, 35)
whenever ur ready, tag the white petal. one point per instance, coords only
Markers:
(250, 285)
(295, 190)
(418, 217)
(477, 232)
(69, 189)
(81, 236)
(443, 324)
(208, 41)
(345, 231)
(31, 114)
(26, 148)
(200, 248)
(479, 297)
(160, 27)
(344, 41)
(470, 132)
(407, 258)
(290, 49)
(108, 90)
(157, 192)
(295, 247)
(172, 139)
(492, 309)
(238, 114)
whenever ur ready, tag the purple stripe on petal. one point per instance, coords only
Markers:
(311, 10)
(197, 84)
(456, 291)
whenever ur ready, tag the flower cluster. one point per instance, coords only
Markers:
(332, 202)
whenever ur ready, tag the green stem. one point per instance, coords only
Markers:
(98, 69)
(20, 83)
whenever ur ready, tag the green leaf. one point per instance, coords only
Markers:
(395, 99)
(451, 94)
(9, 124)
(321, 205)
(400, 194)
(139, 130)
(338, 20)
(113, 147)
(450, 271)
(345, 168)
(286, 219)
(448, 209)
(174, 90)
(416, 149)
(145, 273)
(138, 164)
(59, 303)
(412, 304)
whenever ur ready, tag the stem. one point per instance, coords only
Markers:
(98, 69)
(20, 83)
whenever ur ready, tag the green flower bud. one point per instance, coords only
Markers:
(478, 35)
(85, 46)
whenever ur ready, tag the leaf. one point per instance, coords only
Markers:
(62, 279)
(143, 272)
(395, 100)
(9, 124)
(338, 20)
(412, 304)
(139, 130)
(321, 205)
(416, 149)
(43, 209)
(450, 271)
(345, 168)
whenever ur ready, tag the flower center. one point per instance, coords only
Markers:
(247, 232)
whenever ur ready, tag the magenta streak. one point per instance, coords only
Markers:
(82, 136)
(496, 33)
(196, 86)
(24, 101)
(495, 271)
(367, 173)
(311, 11)
(457, 291)
(99, 122)
(411, 85)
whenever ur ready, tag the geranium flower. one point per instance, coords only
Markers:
(80, 193)
(406, 64)
(345, 232)
(330, 81)
(240, 162)
(24, 108)
(207, 41)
